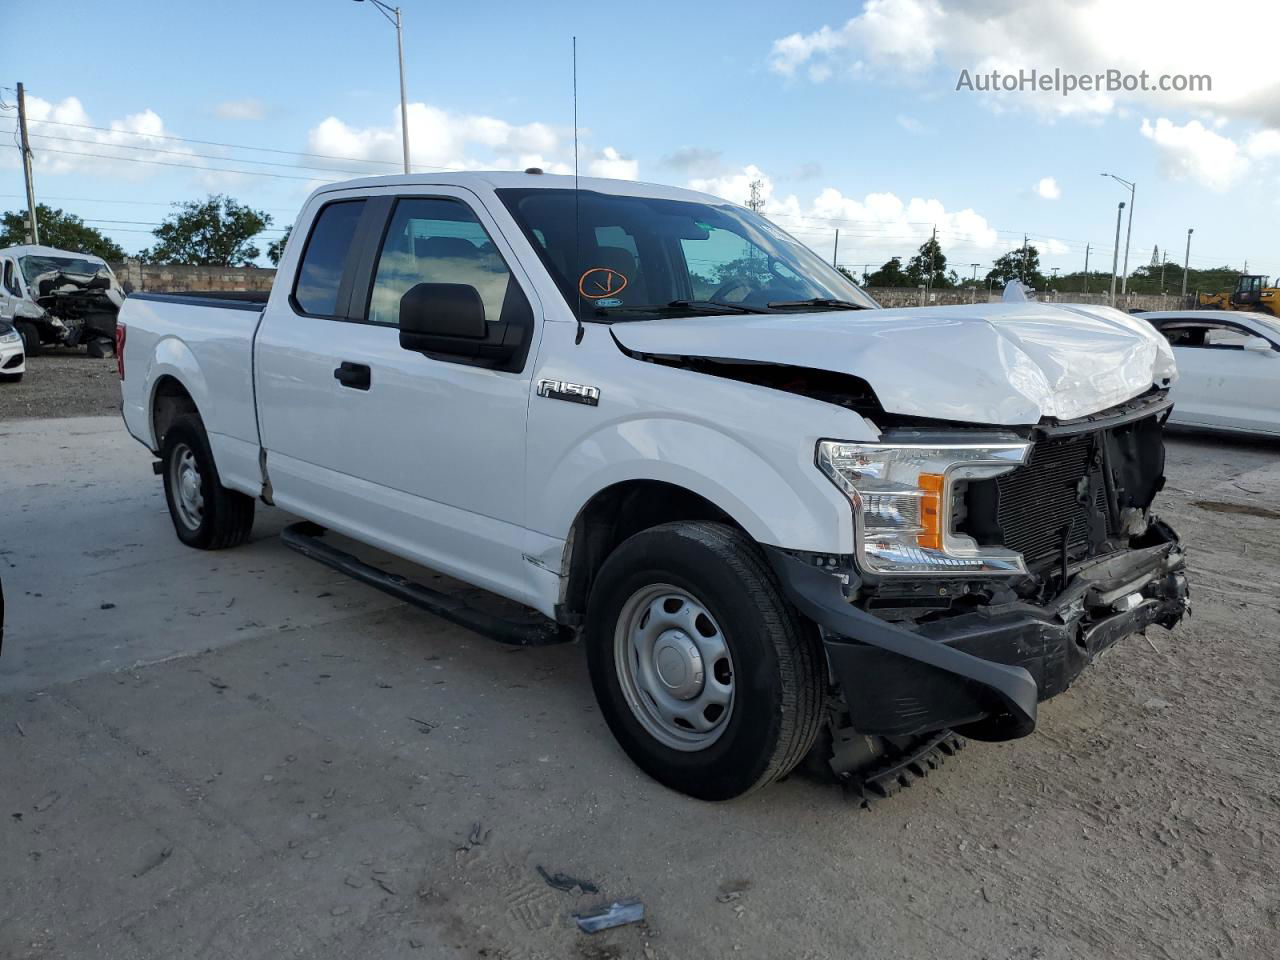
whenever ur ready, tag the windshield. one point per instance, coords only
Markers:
(1271, 324)
(33, 266)
(637, 258)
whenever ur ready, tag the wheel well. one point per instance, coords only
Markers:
(616, 513)
(169, 402)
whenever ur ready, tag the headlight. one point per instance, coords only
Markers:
(13, 336)
(901, 496)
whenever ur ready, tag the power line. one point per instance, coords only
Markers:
(188, 166)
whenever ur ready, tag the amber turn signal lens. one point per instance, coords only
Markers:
(930, 536)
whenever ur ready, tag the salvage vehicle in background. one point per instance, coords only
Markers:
(1253, 292)
(783, 521)
(1228, 369)
(59, 297)
(13, 358)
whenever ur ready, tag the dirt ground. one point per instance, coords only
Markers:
(244, 755)
(62, 383)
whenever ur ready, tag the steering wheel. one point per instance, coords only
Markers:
(720, 294)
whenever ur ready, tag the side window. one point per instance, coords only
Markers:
(320, 273)
(1226, 338)
(10, 282)
(436, 240)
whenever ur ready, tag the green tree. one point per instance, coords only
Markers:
(217, 231)
(929, 266)
(1011, 267)
(276, 248)
(889, 275)
(65, 231)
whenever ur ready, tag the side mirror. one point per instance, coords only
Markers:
(433, 312)
(1258, 345)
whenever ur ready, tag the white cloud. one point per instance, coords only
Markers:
(63, 143)
(910, 124)
(903, 38)
(899, 34)
(610, 163)
(876, 226)
(1194, 151)
(442, 140)
(248, 109)
(1048, 188)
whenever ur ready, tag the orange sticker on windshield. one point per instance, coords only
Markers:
(601, 282)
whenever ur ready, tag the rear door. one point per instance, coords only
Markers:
(421, 455)
(1221, 384)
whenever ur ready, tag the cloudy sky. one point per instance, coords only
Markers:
(847, 112)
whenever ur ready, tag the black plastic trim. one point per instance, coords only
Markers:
(305, 537)
(991, 688)
(212, 299)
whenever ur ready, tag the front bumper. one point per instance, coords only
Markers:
(13, 359)
(983, 673)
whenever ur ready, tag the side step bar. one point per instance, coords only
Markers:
(305, 537)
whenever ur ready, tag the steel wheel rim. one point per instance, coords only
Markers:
(187, 486)
(675, 667)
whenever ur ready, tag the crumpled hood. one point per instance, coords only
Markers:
(998, 363)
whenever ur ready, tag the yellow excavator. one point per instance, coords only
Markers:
(1253, 292)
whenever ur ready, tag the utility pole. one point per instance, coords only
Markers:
(392, 15)
(1186, 264)
(975, 271)
(1115, 253)
(755, 201)
(26, 165)
(835, 249)
(1054, 277)
(1024, 259)
(1086, 268)
(1133, 189)
(933, 255)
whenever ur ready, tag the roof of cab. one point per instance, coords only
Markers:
(508, 179)
(39, 250)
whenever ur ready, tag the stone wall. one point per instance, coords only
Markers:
(912, 297)
(157, 278)
(160, 278)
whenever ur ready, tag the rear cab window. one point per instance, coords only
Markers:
(320, 272)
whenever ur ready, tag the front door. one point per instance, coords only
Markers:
(422, 455)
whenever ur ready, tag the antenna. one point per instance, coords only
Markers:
(577, 225)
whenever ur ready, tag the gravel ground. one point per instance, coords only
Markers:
(62, 383)
(245, 755)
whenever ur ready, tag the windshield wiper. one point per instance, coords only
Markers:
(818, 302)
(707, 307)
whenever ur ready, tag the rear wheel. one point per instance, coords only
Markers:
(30, 337)
(205, 514)
(707, 677)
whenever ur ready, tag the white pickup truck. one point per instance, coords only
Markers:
(783, 522)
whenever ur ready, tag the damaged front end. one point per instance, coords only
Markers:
(83, 308)
(1055, 560)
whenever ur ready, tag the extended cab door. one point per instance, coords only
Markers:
(422, 455)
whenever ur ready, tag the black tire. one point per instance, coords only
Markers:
(779, 678)
(10, 378)
(225, 517)
(30, 338)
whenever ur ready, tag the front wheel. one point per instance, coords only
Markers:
(707, 677)
(205, 514)
(30, 338)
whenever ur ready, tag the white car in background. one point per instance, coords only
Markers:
(1228, 369)
(13, 358)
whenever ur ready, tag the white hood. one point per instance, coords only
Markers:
(1009, 363)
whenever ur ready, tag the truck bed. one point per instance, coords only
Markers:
(205, 341)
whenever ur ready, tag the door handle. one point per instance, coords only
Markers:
(353, 375)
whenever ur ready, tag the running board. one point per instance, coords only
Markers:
(305, 537)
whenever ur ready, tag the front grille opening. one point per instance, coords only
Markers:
(1059, 495)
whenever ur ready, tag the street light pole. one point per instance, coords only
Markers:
(1133, 189)
(393, 16)
(1115, 253)
(1186, 264)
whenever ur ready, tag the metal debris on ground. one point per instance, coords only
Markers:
(387, 887)
(566, 883)
(424, 726)
(617, 914)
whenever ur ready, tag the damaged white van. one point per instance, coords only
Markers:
(59, 297)
(782, 521)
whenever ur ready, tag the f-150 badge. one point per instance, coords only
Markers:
(573, 392)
